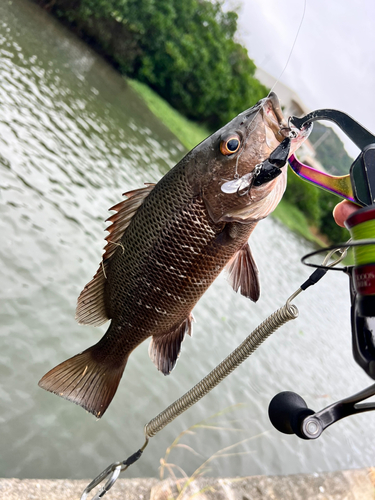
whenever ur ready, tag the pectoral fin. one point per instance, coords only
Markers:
(243, 274)
(164, 350)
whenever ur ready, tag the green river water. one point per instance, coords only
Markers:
(73, 138)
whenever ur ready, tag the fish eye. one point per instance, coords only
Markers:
(230, 145)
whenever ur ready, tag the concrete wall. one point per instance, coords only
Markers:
(342, 485)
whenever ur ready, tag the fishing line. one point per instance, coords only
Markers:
(273, 86)
(363, 231)
(292, 49)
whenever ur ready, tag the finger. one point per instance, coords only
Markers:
(342, 211)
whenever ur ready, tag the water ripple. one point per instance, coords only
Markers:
(73, 138)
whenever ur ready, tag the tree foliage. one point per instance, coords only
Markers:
(317, 205)
(185, 50)
(330, 151)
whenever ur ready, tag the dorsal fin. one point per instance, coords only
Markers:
(164, 350)
(91, 308)
(243, 274)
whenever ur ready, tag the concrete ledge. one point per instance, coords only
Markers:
(342, 485)
(66, 489)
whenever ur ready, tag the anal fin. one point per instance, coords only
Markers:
(243, 274)
(164, 350)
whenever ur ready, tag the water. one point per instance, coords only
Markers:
(73, 138)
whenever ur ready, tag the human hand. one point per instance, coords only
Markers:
(342, 211)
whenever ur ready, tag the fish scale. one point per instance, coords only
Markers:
(166, 245)
(190, 262)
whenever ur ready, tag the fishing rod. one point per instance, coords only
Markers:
(288, 412)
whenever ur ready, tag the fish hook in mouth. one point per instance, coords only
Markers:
(243, 191)
(292, 134)
(242, 185)
(291, 130)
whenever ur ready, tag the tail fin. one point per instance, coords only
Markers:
(85, 381)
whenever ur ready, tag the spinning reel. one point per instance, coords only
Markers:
(287, 411)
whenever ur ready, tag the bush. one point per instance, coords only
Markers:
(184, 50)
(304, 196)
(317, 205)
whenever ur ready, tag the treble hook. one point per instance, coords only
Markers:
(292, 132)
(246, 190)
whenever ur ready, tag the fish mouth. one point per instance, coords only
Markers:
(299, 136)
(273, 117)
(277, 128)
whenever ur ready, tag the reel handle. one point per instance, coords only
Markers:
(287, 411)
(289, 414)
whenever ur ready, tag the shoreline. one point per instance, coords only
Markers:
(189, 133)
(356, 484)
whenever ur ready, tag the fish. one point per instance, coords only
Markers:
(166, 245)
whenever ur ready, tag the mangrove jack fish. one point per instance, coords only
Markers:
(167, 243)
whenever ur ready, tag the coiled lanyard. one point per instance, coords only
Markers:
(281, 316)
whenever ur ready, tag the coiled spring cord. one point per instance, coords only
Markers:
(241, 353)
(230, 363)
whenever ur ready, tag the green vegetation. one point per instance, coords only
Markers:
(316, 205)
(295, 220)
(187, 132)
(330, 151)
(184, 50)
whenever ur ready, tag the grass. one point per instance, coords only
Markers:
(187, 132)
(190, 134)
(183, 481)
(296, 221)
